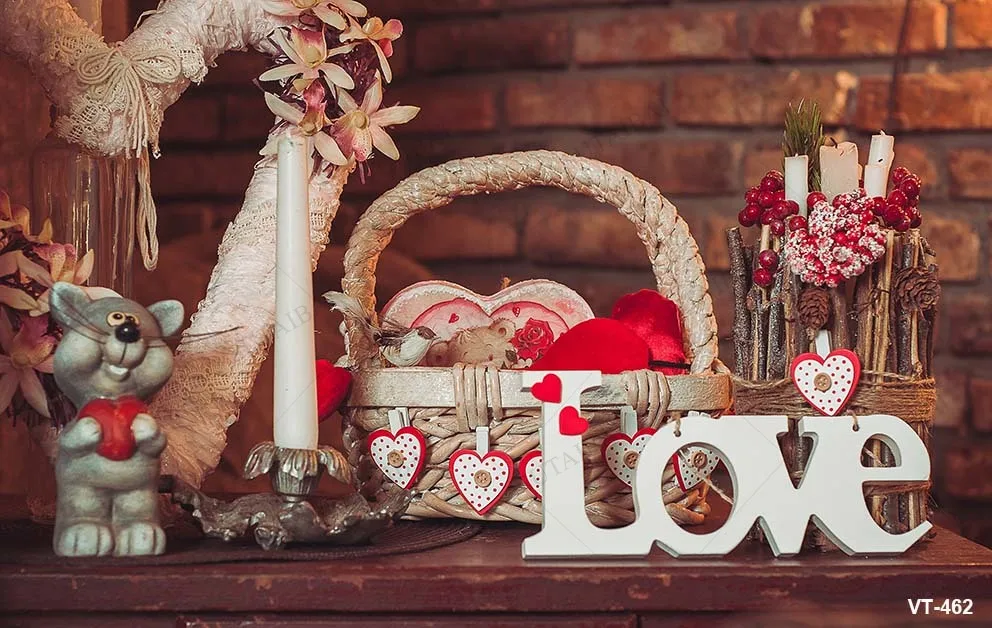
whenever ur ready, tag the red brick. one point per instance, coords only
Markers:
(970, 325)
(971, 173)
(952, 399)
(968, 471)
(447, 108)
(710, 233)
(658, 35)
(981, 404)
(444, 235)
(193, 118)
(759, 161)
(589, 101)
(600, 237)
(530, 41)
(957, 100)
(696, 166)
(973, 24)
(749, 98)
(188, 218)
(246, 117)
(957, 246)
(849, 29)
(237, 68)
(922, 162)
(190, 175)
(400, 8)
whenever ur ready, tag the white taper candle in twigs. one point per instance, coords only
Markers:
(295, 406)
(839, 169)
(797, 180)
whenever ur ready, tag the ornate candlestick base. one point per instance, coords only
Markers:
(295, 473)
(290, 515)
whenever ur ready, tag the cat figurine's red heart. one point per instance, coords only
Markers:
(570, 423)
(115, 417)
(548, 389)
(827, 383)
(400, 457)
(531, 472)
(621, 453)
(481, 480)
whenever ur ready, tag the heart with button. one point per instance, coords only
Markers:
(481, 477)
(399, 452)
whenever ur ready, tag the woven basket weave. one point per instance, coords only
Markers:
(447, 404)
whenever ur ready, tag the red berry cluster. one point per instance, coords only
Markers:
(764, 274)
(900, 210)
(766, 204)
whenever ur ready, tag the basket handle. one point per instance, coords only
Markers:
(671, 249)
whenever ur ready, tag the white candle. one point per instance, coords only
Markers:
(295, 407)
(880, 157)
(91, 11)
(839, 169)
(797, 180)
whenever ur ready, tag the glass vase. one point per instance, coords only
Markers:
(92, 203)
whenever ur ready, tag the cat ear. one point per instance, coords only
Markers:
(67, 303)
(169, 315)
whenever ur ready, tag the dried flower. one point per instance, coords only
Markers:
(362, 127)
(308, 54)
(26, 353)
(310, 124)
(839, 242)
(330, 12)
(380, 35)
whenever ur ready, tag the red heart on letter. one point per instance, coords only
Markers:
(548, 389)
(570, 423)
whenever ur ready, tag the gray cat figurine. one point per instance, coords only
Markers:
(112, 357)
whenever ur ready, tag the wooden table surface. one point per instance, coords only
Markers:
(483, 581)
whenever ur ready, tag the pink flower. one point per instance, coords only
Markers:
(25, 354)
(308, 54)
(309, 123)
(330, 12)
(363, 127)
(380, 35)
(20, 216)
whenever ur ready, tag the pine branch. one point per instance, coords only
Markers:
(804, 136)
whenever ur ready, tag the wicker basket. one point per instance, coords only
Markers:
(447, 404)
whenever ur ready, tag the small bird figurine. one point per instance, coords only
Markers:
(400, 346)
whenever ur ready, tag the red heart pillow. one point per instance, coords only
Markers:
(600, 344)
(657, 321)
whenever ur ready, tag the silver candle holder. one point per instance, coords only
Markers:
(291, 514)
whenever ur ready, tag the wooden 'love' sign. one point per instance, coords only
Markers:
(831, 492)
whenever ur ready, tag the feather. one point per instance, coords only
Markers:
(348, 306)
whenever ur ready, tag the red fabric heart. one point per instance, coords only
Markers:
(333, 384)
(570, 423)
(656, 320)
(115, 417)
(600, 344)
(548, 389)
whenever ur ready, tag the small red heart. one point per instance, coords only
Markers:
(516, 310)
(115, 417)
(548, 389)
(453, 318)
(570, 423)
(333, 383)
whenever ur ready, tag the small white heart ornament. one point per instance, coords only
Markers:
(621, 453)
(531, 472)
(693, 465)
(400, 457)
(481, 480)
(827, 383)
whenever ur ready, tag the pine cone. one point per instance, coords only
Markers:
(917, 288)
(814, 308)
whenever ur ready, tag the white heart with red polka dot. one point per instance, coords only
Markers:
(399, 457)
(621, 453)
(826, 383)
(693, 465)
(482, 481)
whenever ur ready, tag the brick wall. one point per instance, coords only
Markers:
(687, 94)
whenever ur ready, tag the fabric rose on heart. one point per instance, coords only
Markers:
(533, 339)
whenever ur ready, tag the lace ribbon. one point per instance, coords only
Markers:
(109, 74)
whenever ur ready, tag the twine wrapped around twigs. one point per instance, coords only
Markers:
(912, 400)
